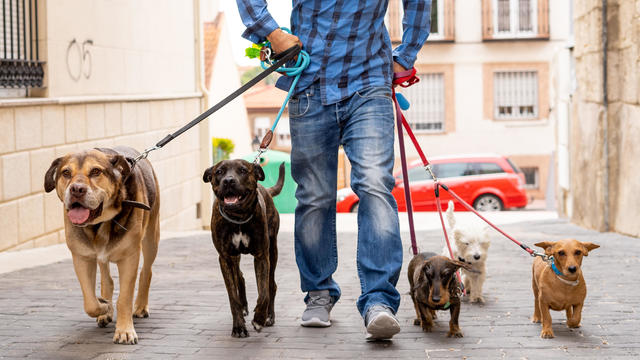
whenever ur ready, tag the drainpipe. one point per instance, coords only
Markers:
(205, 153)
(605, 122)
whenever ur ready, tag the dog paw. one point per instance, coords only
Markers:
(104, 320)
(573, 325)
(270, 320)
(427, 327)
(536, 320)
(141, 312)
(547, 334)
(416, 321)
(478, 300)
(457, 334)
(239, 332)
(125, 336)
(256, 325)
(245, 311)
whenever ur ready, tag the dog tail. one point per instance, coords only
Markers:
(450, 218)
(275, 189)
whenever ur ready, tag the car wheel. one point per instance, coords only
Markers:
(488, 202)
(354, 208)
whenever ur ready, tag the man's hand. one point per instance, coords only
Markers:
(398, 68)
(281, 41)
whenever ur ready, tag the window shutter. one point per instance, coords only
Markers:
(487, 20)
(449, 20)
(543, 19)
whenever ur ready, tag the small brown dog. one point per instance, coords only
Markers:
(434, 286)
(559, 285)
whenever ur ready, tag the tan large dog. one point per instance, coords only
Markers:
(105, 221)
(559, 285)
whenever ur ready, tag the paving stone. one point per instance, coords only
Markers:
(42, 316)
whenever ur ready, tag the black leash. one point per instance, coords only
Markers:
(283, 58)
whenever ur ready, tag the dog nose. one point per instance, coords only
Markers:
(572, 269)
(435, 298)
(476, 256)
(78, 190)
(228, 181)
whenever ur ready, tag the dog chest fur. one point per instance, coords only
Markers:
(240, 238)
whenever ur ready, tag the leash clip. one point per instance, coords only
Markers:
(145, 153)
(261, 151)
(430, 171)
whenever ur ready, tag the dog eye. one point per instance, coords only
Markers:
(219, 172)
(95, 172)
(561, 253)
(578, 252)
(66, 173)
(243, 171)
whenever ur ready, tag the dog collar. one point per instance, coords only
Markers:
(559, 273)
(237, 222)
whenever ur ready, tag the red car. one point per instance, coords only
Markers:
(488, 182)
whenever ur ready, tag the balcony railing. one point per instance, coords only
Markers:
(20, 65)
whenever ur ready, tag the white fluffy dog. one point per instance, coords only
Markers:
(470, 245)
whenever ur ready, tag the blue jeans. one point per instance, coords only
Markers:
(364, 125)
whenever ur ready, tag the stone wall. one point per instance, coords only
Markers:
(34, 132)
(589, 190)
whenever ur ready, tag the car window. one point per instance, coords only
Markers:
(416, 174)
(452, 169)
(487, 168)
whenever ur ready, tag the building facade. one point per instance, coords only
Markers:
(488, 73)
(97, 73)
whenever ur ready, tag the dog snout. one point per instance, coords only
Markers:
(228, 181)
(476, 256)
(435, 298)
(572, 269)
(78, 190)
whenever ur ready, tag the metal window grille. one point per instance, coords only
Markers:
(515, 94)
(427, 110)
(260, 126)
(515, 18)
(20, 66)
(531, 177)
(283, 132)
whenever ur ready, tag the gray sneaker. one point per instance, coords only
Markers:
(381, 323)
(319, 306)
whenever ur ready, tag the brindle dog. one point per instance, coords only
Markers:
(110, 214)
(434, 286)
(245, 221)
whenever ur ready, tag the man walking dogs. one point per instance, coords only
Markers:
(344, 98)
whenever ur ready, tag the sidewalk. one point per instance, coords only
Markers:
(41, 313)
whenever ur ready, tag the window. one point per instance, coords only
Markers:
(283, 132)
(512, 19)
(441, 20)
(531, 177)
(452, 170)
(260, 126)
(416, 174)
(20, 67)
(484, 168)
(427, 99)
(515, 95)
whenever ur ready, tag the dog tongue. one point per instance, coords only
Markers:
(230, 199)
(78, 215)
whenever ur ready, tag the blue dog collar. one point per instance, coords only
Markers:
(554, 268)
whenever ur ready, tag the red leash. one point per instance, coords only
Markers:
(406, 79)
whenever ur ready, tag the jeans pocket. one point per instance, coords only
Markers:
(374, 92)
(298, 105)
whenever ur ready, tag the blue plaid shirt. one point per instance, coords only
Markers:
(347, 41)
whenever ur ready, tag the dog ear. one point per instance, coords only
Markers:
(121, 165)
(258, 172)
(459, 264)
(588, 247)
(457, 236)
(547, 246)
(208, 175)
(50, 175)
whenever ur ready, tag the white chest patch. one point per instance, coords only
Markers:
(238, 238)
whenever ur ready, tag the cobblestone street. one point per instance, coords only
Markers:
(42, 317)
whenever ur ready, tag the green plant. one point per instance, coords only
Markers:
(222, 148)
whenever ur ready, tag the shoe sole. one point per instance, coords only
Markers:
(382, 327)
(315, 322)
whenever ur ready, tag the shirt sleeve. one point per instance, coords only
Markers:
(416, 23)
(257, 19)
